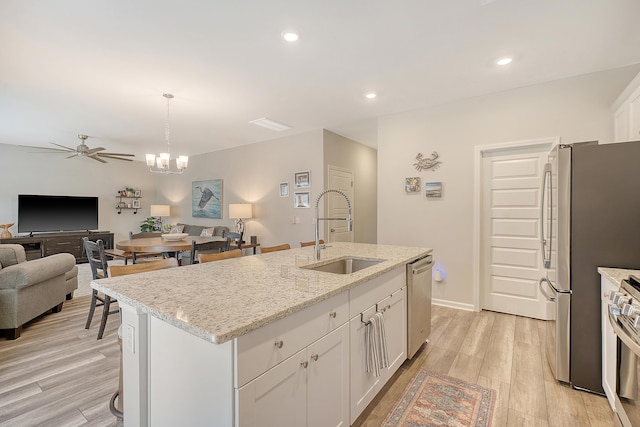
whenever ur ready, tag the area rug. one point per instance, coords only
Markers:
(435, 399)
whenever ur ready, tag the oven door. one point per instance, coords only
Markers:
(627, 367)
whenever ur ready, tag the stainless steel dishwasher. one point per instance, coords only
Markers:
(418, 303)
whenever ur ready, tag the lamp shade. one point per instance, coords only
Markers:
(160, 210)
(240, 210)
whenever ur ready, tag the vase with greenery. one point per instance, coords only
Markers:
(130, 191)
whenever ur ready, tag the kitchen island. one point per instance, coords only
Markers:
(257, 339)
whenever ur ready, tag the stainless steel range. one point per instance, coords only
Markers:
(624, 316)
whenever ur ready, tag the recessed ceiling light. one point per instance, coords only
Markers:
(504, 61)
(291, 36)
(370, 95)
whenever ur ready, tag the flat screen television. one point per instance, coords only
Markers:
(56, 213)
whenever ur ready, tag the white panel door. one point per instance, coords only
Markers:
(339, 179)
(510, 258)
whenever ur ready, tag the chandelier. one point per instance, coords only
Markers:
(162, 162)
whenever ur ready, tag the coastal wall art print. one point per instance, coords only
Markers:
(206, 199)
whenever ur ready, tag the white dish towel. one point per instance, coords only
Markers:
(375, 341)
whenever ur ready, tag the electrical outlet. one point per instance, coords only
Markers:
(297, 220)
(130, 339)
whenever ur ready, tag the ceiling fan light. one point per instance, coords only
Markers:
(151, 159)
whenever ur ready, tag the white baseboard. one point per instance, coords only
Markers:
(452, 304)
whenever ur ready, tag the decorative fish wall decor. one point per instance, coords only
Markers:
(426, 163)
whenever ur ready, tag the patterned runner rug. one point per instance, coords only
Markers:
(435, 399)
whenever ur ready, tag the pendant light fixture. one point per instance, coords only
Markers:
(162, 162)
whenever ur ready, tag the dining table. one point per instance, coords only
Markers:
(160, 244)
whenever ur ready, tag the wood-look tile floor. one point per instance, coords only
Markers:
(505, 353)
(58, 374)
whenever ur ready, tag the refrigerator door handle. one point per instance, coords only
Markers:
(546, 260)
(546, 295)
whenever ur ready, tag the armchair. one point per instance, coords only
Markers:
(31, 288)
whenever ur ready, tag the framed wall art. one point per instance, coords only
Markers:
(433, 189)
(135, 204)
(412, 184)
(302, 179)
(284, 189)
(206, 199)
(302, 199)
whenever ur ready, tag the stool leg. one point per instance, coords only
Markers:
(92, 308)
(105, 314)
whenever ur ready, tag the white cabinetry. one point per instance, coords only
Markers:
(626, 113)
(608, 342)
(386, 294)
(308, 389)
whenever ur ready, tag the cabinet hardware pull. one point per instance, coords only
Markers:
(304, 364)
(314, 357)
(332, 314)
(279, 344)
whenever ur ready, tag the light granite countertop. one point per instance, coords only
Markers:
(617, 274)
(221, 300)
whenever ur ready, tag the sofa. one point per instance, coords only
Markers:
(196, 230)
(31, 288)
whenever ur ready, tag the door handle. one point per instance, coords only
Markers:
(543, 241)
(333, 230)
(546, 295)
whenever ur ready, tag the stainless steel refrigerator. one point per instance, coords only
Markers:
(590, 217)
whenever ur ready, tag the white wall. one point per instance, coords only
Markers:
(252, 174)
(575, 109)
(25, 172)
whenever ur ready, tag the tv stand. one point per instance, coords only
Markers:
(45, 244)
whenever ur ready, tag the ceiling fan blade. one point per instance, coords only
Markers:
(94, 157)
(109, 156)
(72, 156)
(46, 148)
(116, 154)
(95, 150)
(70, 149)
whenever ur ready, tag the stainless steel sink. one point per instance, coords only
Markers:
(346, 265)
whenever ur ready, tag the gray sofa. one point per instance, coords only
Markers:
(196, 230)
(31, 288)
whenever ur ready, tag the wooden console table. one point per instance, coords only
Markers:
(45, 244)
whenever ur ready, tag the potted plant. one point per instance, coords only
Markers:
(130, 191)
(148, 224)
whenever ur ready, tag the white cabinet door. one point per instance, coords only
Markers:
(328, 380)
(609, 343)
(395, 324)
(364, 385)
(276, 398)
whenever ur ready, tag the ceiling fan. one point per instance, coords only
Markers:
(83, 150)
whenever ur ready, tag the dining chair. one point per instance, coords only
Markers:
(207, 247)
(275, 248)
(234, 240)
(311, 243)
(122, 270)
(235, 253)
(99, 270)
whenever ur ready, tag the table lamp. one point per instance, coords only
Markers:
(240, 211)
(159, 211)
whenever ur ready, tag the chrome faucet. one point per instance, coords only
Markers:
(316, 247)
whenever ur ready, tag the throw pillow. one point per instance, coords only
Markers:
(177, 229)
(207, 232)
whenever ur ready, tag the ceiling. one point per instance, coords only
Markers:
(100, 67)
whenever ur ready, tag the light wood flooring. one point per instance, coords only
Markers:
(58, 374)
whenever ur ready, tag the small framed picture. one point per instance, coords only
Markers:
(123, 193)
(433, 189)
(302, 199)
(302, 179)
(412, 185)
(284, 189)
(137, 193)
(135, 204)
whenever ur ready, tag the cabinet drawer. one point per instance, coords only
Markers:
(371, 292)
(262, 349)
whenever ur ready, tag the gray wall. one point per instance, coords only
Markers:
(575, 109)
(362, 160)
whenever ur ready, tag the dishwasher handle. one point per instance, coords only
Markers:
(422, 265)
